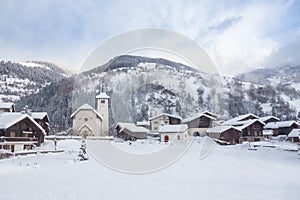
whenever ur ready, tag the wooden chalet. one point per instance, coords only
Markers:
(281, 127)
(229, 134)
(250, 125)
(19, 130)
(294, 135)
(129, 131)
(42, 119)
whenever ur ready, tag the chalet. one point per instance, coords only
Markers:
(42, 119)
(268, 119)
(282, 127)
(294, 135)
(129, 131)
(173, 132)
(198, 124)
(163, 119)
(7, 107)
(229, 134)
(250, 125)
(19, 131)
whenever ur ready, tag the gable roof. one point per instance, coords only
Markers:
(102, 95)
(197, 116)
(169, 115)
(132, 127)
(221, 129)
(266, 118)
(294, 133)
(86, 107)
(8, 119)
(7, 105)
(39, 115)
(240, 118)
(210, 113)
(281, 124)
(178, 128)
(244, 124)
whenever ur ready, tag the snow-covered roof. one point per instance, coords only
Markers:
(281, 124)
(294, 133)
(143, 123)
(240, 118)
(132, 127)
(6, 105)
(244, 124)
(39, 115)
(8, 119)
(197, 116)
(178, 128)
(169, 115)
(220, 129)
(266, 118)
(102, 95)
(210, 113)
(267, 132)
(86, 107)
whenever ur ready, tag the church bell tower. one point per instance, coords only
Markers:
(102, 109)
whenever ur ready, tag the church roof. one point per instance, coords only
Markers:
(86, 107)
(102, 95)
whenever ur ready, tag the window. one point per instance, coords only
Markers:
(86, 119)
(155, 122)
(178, 137)
(102, 101)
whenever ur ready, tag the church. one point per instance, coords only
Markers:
(88, 121)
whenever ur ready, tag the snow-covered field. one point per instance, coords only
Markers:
(229, 172)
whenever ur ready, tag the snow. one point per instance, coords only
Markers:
(132, 127)
(178, 128)
(102, 95)
(7, 119)
(228, 172)
(197, 116)
(39, 115)
(294, 133)
(86, 107)
(267, 132)
(6, 105)
(266, 118)
(31, 64)
(220, 129)
(281, 124)
(240, 118)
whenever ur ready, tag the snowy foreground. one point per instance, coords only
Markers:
(228, 172)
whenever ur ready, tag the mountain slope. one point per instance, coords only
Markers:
(20, 79)
(142, 87)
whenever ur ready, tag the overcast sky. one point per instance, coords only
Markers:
(237, 35)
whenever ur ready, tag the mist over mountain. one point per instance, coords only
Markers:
(142, 87)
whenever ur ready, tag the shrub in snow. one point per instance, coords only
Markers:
(82, 152)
